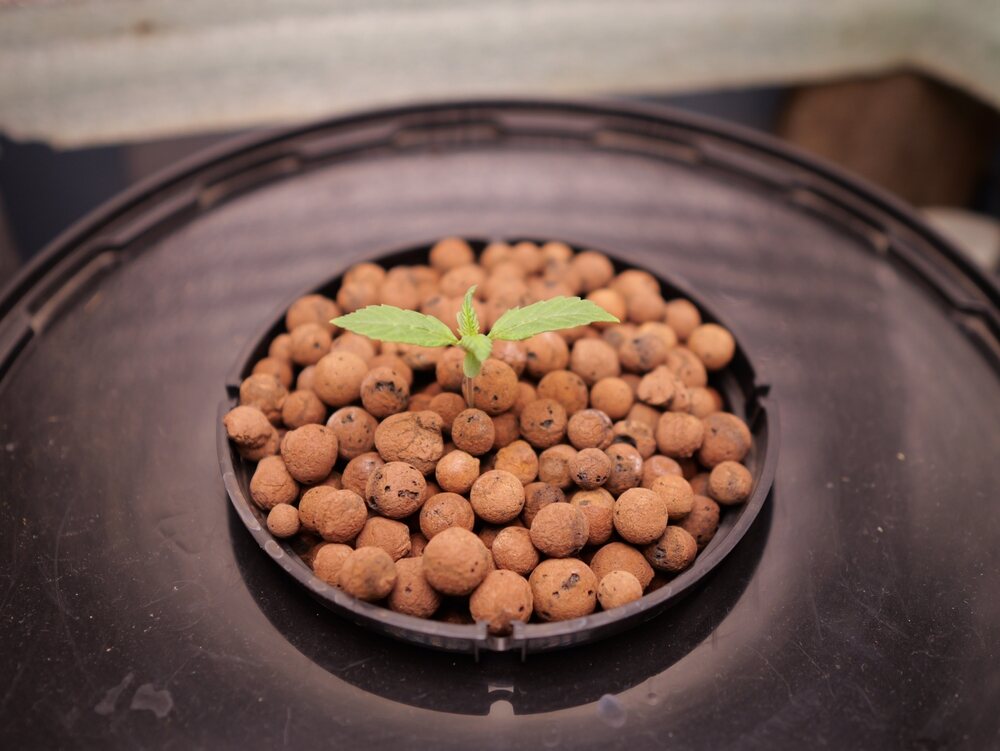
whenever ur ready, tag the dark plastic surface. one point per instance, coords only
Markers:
(859, 611)
(744, 396)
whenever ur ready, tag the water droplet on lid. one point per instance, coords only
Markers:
(612, 711)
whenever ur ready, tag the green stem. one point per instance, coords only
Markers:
(467, 391)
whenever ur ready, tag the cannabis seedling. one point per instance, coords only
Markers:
(388, 323)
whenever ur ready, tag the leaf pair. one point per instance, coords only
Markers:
(388, 323)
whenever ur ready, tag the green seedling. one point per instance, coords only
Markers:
(388, 323)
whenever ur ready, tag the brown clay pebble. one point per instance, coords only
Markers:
(673, 552)
(699, 483)
(361, 346)
(272, 484)
(613, 397)
(506, 430)
(456, 561)
(338, 378)
(395, 490)
(566, 387)
(456, 471)
(705, 401)
(494, 390)
(281, 348)
(726, 438)
(676, 492)
(417, 544)
(368, 574)
(636, 434)
(488, 533)
(640, 516)
(280, 369)
(283, 520)
(448, 370)
(450, 253)
(270, 448)
(391, 536)
(683, 317)
(729, 483)
(311, 309)
(444, 510)
(512, 549)
(355, 431)
(538, 495)
(648, 416)
(618, 556)
(554, 463)
(598, 506)
(590, 428)
(310, 342)
(497, 496)
(642, 353)
(384, 392)
(520, 460)
(563, 588)
(502, 598)
(357, 294)
(626, 468)
(546, 353)
(265, 392)
(396, 363)
(593, 269)
(328, 560)
(411, 437)
(448, 406)
(248, 427)
(357, 471)
(658, 466)
(559, 530)
(307, 378)
(420, 402)
(679, 435)
(618, 588)
(658, 387)
(411, 593)
(687, 366)
(590, 468)
(543, 423)
(309, 452)
(594, 359)
(335, 515)
(302, 407)
(526, 394)
(473, 431)
(515, 354)
(703, 521)
(713, 344)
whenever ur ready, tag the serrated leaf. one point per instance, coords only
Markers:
(388, 323)
(468, 321)
(548, 315)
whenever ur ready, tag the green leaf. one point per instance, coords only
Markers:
(548, 315)
(468, 321)
(477, 349)
(477, 344)
(388, 323)
(471, 366)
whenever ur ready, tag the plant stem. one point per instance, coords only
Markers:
(467, 390)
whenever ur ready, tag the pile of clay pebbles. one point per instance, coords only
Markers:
(587, 467)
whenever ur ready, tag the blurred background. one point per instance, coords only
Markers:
(98, 94)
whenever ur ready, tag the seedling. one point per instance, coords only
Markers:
(388, 323)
